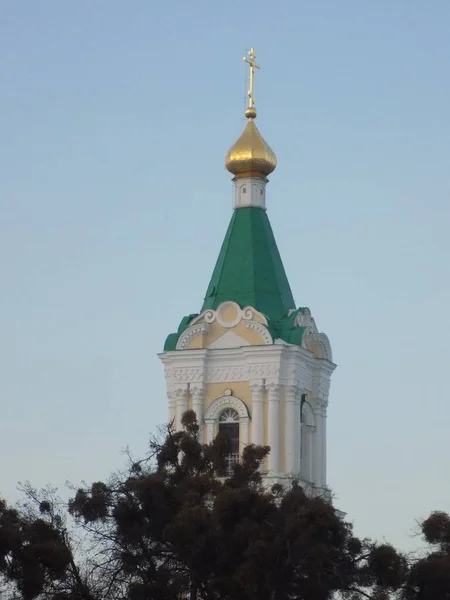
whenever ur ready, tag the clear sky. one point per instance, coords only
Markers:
(114, 121)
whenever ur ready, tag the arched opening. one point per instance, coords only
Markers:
(229, 426)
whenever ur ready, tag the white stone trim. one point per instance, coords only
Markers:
(197, 393)
(257, 390)
(213, 412)
(273, 427)
(321, 340)
(304, 319)
(319, 407)
(291, 430)
(308, 417)
(264, 367)
(288, 364)
(243, 433)
(209, 431)
(308, 438)
(261, 330)
(191, 333)
(298, 420)
(181, 395)
(172, 406)
(247, 313)
(219, 404)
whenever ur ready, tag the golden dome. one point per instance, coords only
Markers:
(251, 156)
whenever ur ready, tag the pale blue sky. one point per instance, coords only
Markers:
(114, 121)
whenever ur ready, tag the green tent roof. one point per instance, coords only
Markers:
(249, 269)
(250, 272)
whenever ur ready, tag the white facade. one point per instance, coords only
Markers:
(279, 390)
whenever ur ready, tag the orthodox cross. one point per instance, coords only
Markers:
(250, 59)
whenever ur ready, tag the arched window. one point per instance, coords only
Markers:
(229, 415)
(229, 426)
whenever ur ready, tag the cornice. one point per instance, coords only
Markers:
(285, 364)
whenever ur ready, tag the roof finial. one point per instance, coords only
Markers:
(251, 155)
(250, 113)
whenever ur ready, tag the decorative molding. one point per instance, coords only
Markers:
(261, 330)
(322, 341)
(190, 334)
(187, 374)
(292, 392)
(320, 406)
(304, 377)
(219, 404)
(181, 393)
(226, 374)
(256, 389)
(240, 372)
(242, 314)
(197, 392)
(263, 371)
(304, 319)
(308, 331)
(273, 390)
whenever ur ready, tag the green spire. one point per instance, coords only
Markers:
(249, 269)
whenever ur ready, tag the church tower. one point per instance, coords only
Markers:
(250, 362)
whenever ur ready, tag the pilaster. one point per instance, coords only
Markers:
(197, 392)
(273, 426)
(209, 430)
(172, 406)
(243, 433)
(182, 395)
(320, 414)
(291, 429)
(298, 420)
(257, 391)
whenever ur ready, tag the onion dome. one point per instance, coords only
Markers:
(251, 155)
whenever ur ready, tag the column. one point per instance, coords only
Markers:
(324, 445)
(320, 410)
(298, 420)
(181, 394)
(257, 390)
(197, 393)
(209, 430)
(243, 434)
(172, 400)
(319, 461)
(274, 427)
(291, 427)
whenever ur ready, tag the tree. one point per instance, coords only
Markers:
(429, 576)
(180, 524)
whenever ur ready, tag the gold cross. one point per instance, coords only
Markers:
(251, 61)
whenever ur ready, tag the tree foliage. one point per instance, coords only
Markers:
(429, 577)
(181, 524)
